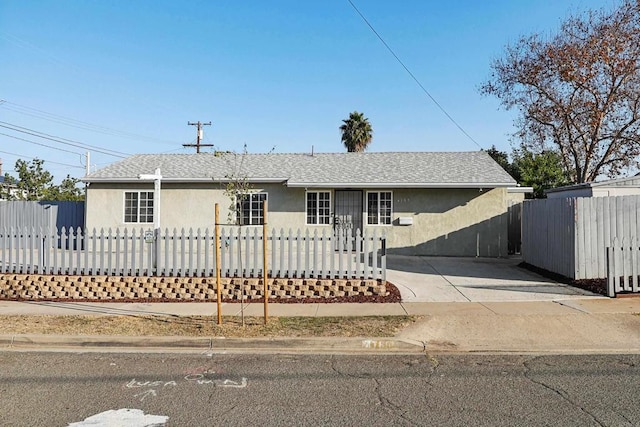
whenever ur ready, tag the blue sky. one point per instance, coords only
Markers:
(281, 74)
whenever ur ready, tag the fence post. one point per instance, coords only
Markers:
(383, 260)
(218, 266)
(264, 263)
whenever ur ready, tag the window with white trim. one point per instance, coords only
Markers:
(251, 209)
(379, 207)
(318, 207)
(138, 206)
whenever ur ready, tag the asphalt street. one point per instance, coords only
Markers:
(60, 389)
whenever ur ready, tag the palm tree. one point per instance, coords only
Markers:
(356, 132)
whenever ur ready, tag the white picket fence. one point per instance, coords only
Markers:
(623, 267)
(138, 252)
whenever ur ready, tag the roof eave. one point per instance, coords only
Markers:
(130, 180)
(401, 184)
(525, 190)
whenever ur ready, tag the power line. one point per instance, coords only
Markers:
(48, 161)
(64, 141)
(41, 144)
(79, 124)
(413, 76)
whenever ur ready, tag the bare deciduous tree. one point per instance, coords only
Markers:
(578, 91)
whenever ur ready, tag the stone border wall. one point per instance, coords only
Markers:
(110, 288)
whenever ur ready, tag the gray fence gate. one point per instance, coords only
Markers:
(514, 228)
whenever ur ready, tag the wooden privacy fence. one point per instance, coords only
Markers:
(570, 236)
(138, 252)
(622, 266)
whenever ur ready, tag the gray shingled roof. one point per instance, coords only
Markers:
(406, 169)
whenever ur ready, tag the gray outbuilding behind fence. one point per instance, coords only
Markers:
(41, 214)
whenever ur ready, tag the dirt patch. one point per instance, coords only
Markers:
(201, 326)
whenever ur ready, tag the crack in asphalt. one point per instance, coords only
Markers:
(382, 401)
(626, 419)
(389, 406)
(223, 413)
(365, 376)
(563, 394)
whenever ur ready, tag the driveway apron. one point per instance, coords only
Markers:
(449, 279)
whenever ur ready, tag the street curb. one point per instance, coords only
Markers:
(210, 344)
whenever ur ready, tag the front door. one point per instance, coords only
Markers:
(348, 216)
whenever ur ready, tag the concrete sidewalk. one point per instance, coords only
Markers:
(464, 304)
(594, 325)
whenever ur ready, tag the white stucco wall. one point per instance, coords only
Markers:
(448, 222)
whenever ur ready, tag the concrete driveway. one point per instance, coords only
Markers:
(444, 279)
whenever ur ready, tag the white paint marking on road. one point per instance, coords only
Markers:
(136, 384)
(202, 380)
(146, 393)
(233, 384)
(122, 417)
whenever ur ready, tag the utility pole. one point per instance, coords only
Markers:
(199, 138)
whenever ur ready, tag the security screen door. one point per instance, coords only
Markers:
(348, 216)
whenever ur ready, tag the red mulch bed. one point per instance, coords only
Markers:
(597, 286)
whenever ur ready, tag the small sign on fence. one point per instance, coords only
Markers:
(149, 236)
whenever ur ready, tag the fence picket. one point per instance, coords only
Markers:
(349, 254)
(307, 255)
(54, 241)
(340, 255)
(303, 254)
(314, 272)
(149, 246)
(626, 260)
(72, 250)
(634, 265)
(383, 258)
(290, 252)
(274, 270)
(374, 256)
(281, 269)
